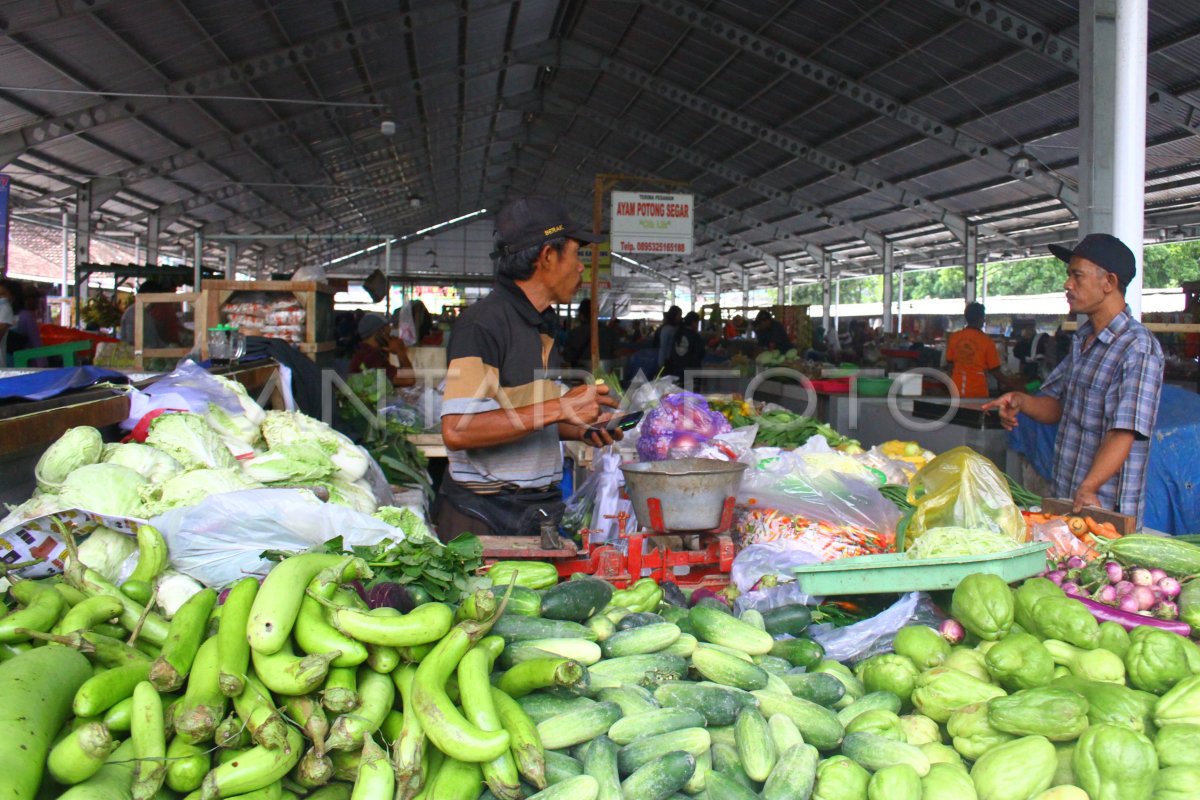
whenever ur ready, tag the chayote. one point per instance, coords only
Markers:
(1026, 596)
(880, 722)
(925, 646)
(1176, 783)
(919, 729)
(970, 661)
(1157, 660)
(1178, 745)
(1064, 773)
(1019, 661)
(984, 605)
(1115, 763)
(1016, 770)
(1113, 638)
(1092, 665)
(1063, 793)
(839, 778)
(889, 673)
(941, 691)
(938, 753)
(1054, 712)
(947, 782)
(897, 782)
(971, 732)
(1180, 704)
(1113, 704)
(1067, 620)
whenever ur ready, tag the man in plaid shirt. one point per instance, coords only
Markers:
(1104, 394)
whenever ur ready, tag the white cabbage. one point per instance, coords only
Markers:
(238, 427)
(105, 550)
(106, 489)
(252, 410)
(151, 463)
(190, 441)
(172, 590)
(285, 427)
(189, 488)
(296, 462)
(76, 448)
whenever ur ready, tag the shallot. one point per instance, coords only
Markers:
(1057, 576)
(1141, 576)
(1116, 573)
(1123, 588)
(1170, 588)
(952, 631)
(1128, 604)
(1107, 594)
(1071, 589)
(1075, 562)
(1144, 597)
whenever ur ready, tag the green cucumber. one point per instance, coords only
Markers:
(1164, 552)
(721, 628)
(791, 620)
(728, 670)
(816, 687)
(684, 646)
(722, 787)
(661, 778)
(652, 723)
(578, 726)
(794, 775)
(542, 705)
(719, 704)
(772, 664)
(601, 763)
(645, 670)
(819, 726)
(755, 747)
(875, 752)
(561, 767)
(575, 787)
(602, 626)
(581, 650)
(752, 616)
(798, 652)
(640, 640)
(525, 602)
(638, 619)
(871, 701)
(517, 628)
(632, 699)
(576, 599)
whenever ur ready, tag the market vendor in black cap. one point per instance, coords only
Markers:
(503, 417)
(1104, 393)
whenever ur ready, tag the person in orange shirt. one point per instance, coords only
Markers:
(972, 354)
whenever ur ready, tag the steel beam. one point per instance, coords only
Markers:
(731, 33)
(970, 264)
(889, 267)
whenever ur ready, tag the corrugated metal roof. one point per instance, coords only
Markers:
(254, 128)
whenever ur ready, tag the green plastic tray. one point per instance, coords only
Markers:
(893, 572)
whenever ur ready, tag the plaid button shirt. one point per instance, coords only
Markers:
(1112, 385)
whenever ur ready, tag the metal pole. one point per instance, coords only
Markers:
(889, 272)
(971, 264)
(230, 261)
(197, 259)
(137, 248)
(826, 297)
(64, 312)
(900, 306)
(594, 322)
(837, 316)
(83, 241)
(387, 274)
(152, 226)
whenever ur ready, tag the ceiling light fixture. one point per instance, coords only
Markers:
(414, 201)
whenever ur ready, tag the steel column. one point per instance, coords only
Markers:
(152, 233)
(197, 260)
(230, 261)
(387, 273)
(64, 314)
(900, 306)
(1112, 94)
(83, 240)
(889, 271)
(826, 296)
(971, 264)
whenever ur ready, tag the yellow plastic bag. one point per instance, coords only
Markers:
(961, 488)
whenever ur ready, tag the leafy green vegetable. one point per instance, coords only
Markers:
(188, 439)
(77, 447)
(445, 571)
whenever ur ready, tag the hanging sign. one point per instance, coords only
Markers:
(5, 185)
(650, 223)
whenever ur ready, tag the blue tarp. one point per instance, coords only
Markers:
(1173, 472)
(47, 383)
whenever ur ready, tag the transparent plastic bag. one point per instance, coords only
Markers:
(782, 498)
(679, 427)
(730, 446)
(962, 489)
(223, 538)
(1063, 543)
(189, 387)
(757, 561)
(596, 504)
(406, 328)
(875, 635)
(643, 395)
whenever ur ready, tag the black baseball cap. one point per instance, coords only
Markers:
(1105, 251)
(531, 221)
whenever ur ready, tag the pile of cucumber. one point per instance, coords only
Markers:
(295, 689)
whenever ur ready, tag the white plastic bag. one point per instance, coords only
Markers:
(874, 636)
(759, 560)
(222, 539)
(188, 387)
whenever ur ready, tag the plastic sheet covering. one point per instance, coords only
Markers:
(46, 383)
(875, 635)
(1172, 473)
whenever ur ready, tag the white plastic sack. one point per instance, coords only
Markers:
(188, 388)
(222, 539)
(874, 636)
(759, 560)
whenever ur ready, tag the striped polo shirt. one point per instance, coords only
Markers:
(500, 352)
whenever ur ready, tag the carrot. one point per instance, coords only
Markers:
(1103, 530)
